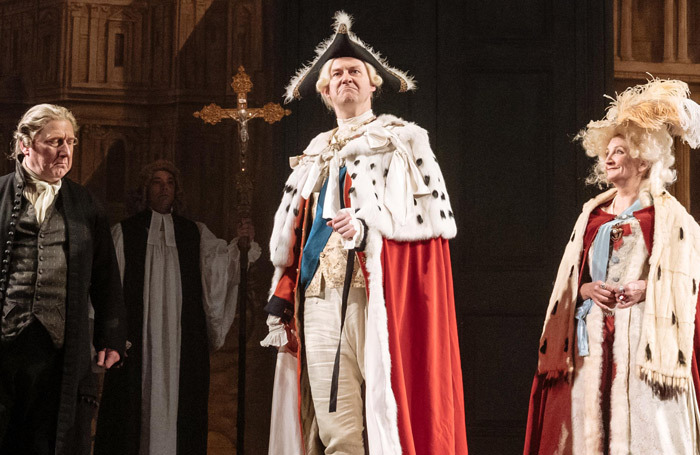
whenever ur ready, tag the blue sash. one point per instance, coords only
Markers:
(600, 254)
(319, 235)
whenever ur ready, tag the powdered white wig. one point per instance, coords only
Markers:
(324, 79)
(655, 147)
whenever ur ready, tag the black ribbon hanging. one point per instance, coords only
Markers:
(349, 268)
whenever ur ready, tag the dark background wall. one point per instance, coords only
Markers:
(503, 87)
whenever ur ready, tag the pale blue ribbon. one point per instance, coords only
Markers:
(600, 254)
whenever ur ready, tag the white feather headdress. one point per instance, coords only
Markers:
(660, 103)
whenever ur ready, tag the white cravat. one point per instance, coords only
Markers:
(404, 181)
(328, 164)
(345, 126)
(40, 193)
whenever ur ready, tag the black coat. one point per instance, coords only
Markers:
(92, 274)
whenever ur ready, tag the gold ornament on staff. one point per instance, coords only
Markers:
(242, 85)
(213, 114)
(242, 114)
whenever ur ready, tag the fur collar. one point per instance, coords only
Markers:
(672, 287)
(368, 162)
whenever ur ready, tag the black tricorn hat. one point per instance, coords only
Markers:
(344, 43)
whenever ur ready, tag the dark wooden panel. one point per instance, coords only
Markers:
(503, 20)
(493, 340)
(505, 200)
(695, 184)
(523, 90)
(499, 374)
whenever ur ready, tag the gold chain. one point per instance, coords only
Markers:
(337, 145)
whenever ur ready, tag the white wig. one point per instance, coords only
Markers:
(655, 147)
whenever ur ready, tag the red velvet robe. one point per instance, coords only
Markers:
(555, 398)
(426, 375)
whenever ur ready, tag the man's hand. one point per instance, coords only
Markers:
(631, 294)
(342, 224)
(107, 357)
(600, 293)
(292, 345)
(246, 229)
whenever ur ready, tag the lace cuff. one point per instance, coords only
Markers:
(277, 335)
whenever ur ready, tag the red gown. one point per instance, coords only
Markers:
(426, 374)
(553, 399)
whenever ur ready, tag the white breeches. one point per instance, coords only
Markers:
(340, 431)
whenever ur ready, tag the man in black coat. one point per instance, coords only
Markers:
(57, 258)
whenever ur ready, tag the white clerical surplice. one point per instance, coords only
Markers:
(162, 305)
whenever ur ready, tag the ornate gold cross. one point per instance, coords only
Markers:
(213, 114)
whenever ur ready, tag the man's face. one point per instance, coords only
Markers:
(350, 86)
(50, 155)
(161, 192)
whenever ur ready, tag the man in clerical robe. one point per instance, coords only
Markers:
(181, 289)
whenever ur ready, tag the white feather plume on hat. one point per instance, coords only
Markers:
(342, 26)
(689, 115)
(660, 103)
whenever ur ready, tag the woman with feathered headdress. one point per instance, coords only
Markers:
(617, 370)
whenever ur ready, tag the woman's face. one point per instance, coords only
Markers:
(621, 169)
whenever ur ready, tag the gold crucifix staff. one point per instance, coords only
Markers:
(213, 114)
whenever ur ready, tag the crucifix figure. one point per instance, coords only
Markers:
(242, 114)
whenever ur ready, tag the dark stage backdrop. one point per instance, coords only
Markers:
(503, 86)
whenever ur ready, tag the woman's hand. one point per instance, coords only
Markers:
(600, 293)
(631, 294)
